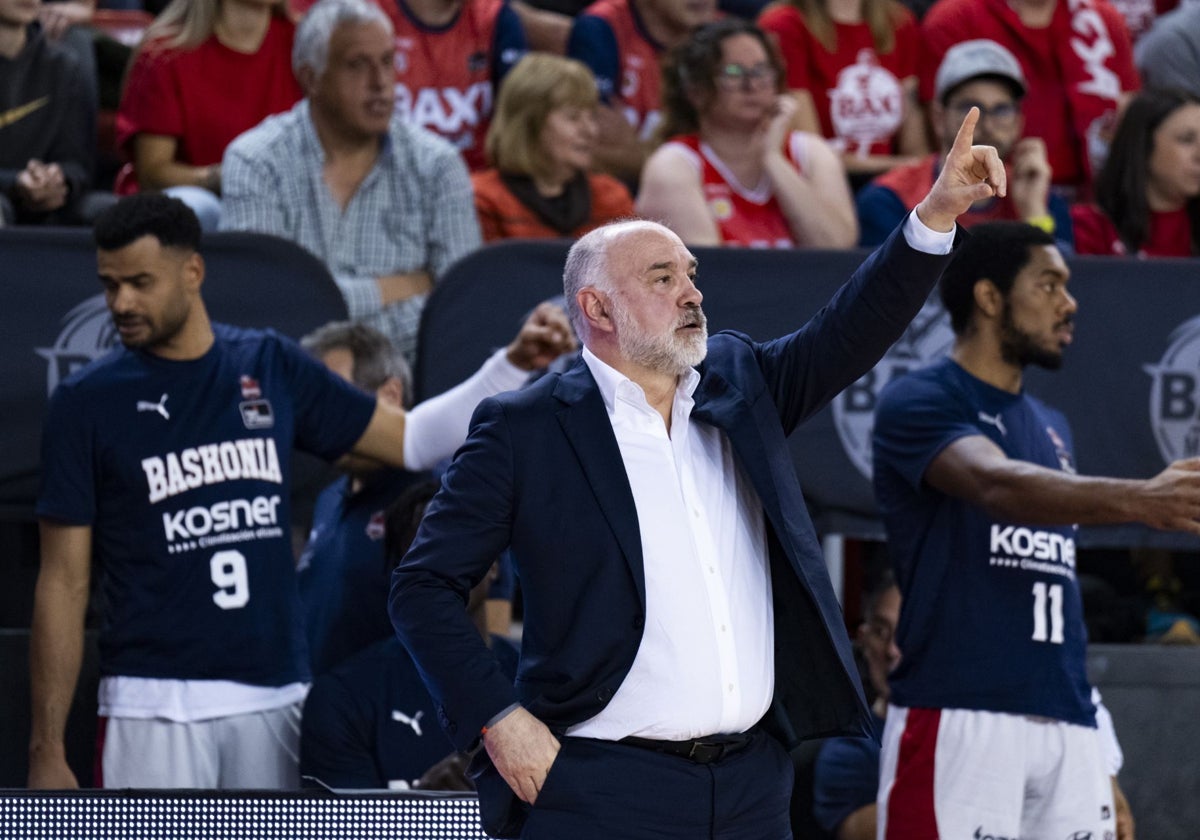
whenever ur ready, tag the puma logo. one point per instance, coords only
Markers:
(414, 721)
(993, 421)
(159, 407)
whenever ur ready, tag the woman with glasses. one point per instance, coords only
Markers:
(852, 66)
(732, 172)
(1148, 192)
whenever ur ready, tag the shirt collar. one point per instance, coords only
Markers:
(612, 382)
(312, 141)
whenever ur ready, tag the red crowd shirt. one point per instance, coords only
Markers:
(631, 80)
(751, 218)
(858, 93)
(202, 96)
(1170, 233)
(1077, 68)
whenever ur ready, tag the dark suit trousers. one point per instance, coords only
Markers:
(600, 790)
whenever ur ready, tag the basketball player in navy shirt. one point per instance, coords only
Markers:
(169, 462)
(991, 729)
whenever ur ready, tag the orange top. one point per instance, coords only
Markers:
(504, 216)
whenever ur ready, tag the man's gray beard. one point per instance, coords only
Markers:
(671, 354)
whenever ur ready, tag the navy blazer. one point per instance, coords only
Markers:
(541, 472)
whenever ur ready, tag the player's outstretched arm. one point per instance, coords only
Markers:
(969, 174)
(433, 430)
(975, 469)
(56, 649)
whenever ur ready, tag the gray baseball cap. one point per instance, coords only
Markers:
(980, 57)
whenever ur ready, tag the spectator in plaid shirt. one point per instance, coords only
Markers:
(387, 206)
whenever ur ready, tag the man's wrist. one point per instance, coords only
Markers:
(921, 237)
(499, 716)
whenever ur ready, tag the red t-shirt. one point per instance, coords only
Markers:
(858, 93)
(637, 93)
(209, 95)
(1170, 233)
(751, 218)
(1076, 69)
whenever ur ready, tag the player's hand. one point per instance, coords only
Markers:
(50, 771)
(1170, 501)
(969, 174)
(522, 748)
(1030, 183)
(1125, 829)
(545, 335)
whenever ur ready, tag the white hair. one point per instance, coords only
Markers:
(311, 47)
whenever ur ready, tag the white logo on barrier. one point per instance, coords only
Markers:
(87, 333)
(1174, 397)
(927, 338)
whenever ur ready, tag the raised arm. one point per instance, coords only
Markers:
(969, 174)
(56, 648)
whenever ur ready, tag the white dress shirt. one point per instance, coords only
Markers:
(705, 664)
(706, 660)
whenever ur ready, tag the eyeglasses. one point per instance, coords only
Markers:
(1004, 112)
(735, 76)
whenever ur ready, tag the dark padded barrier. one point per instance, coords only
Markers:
(1154, 696)
(54, 321)
(1130, 385)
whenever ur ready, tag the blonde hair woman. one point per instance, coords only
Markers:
(540, 145)
(206, 71)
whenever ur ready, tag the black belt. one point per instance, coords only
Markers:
(700, 750)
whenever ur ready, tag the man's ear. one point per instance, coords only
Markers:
(594, 305)
(193, 271)
(988, 298)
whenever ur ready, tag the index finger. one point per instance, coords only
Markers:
(966, 133)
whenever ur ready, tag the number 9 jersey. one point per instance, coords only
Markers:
(182, 469)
